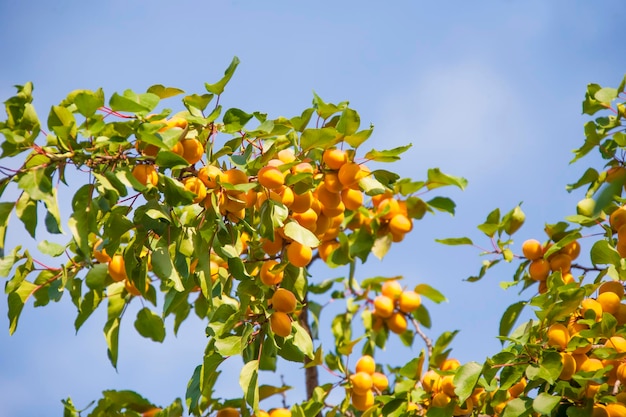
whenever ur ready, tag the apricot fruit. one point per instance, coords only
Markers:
(334, 158)
(409, 301)
(361, 382)
(363, 402)
(117, 268)
(280, 323)
(532, 249)
(383, 306)
(366, 364)
(397, 323)
(269, 277)
(558, 336)
(190, 149)
(298, 254)
(284, 300)
(146, 174)
(271, 177)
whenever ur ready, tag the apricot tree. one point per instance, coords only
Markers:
(220, 213)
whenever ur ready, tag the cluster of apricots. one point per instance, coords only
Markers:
(541, 267)
(233, 412)
(366, 381)
(392, 306)
(617, 220)
(439, 388)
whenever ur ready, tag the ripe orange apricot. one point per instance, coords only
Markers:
(361, 382)
(146, 148)
(447, 385)
(271, 177)
(100, 255)
(572, 250)
(210, 175)
(334, 158)
(363, 402)
(431, 381)
(352, 199)
(561, 262)
(590, 304)
(327, 197)
(331, 180)
(616, 342)
(616, 409)
(450, 364)
(272, 247)
(326, 248)
(284, 300)
(146, 174)
(441, 400)
(298, 254)
(609, 301)
(618, 218)
(539, 269)
(228, 412)
(269, 277)
(117, 268)
(280, 323)
(301, 202)
(190, 149)
(558, 336)
(400, 224)
(569, 366)
(380, 381)
(532, 249)
(349, 174)
(366, 364)
(616, 287)
(235, 176)
(262, 414)
(409, 301)
(132, 289)
(517, 389)
(286, 156)
(388, 208)
(280, 412)
(391, 289)
(306, 219)
(383, 306)
(397, 323)
(196, 186)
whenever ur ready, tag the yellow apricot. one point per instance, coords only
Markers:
(352, 199)
(228, 412)
(447, 385)
(383, 306)
(366, 364)
(532, 249)
(441, 400)
(558, 336)
(280, 412)
(235, 176)
(388, 208)
(450, 364)
(301, 202)
(400, 224)
(190, 149)
(269, 277)
(280, 323)
(147, 149)
(196, 186)
(572, 249)
(117, 268)
(146, 174)
(298, 254)
(334, 158)
(349, 174)
(361, 382)
(397, 323)
(539, 270)
(618, 218)
(569, 366)
(272, 247)
(391, 289)
(616, 342)
(210, 175)
(271, 177)
(100, 255)
(306, 219)
(561, 262)
(380, 381)
(286, 155)
(609, 301)
(517, 389)
(616, 409)
(409, 301)
(363, 402)
(590, 304)
(431, 381)
(332, 183)
(284, 300)
(616, 287)
(327, 247)
(599, 410)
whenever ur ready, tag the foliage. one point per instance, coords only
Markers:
(221, 212)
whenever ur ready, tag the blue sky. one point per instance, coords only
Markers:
(489, 91)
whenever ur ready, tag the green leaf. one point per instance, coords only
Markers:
(544, 403)
(5, 212)
(218, 87)
(606, 95)
(430, 293)
(228, 346)
(518, 407)
(455, 241)
(510, 316)
(465, 380)
(164, 92)
(608, 193)
(266, 391)
(302, 340)
(88, 305)
(249, 383)
(235, 119)
(422, 315)
(358, 138)
(324, 110)
(442, 204)
(50, 248)
(437, 179)
(150, 325)
(299, 123)
(163, 268)
(318, 138)
(133, 102)
(301, 235)
(603, 254)
(349, 122)
(112, 334)
(88, 102)
(390, 155)
(16, 301)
